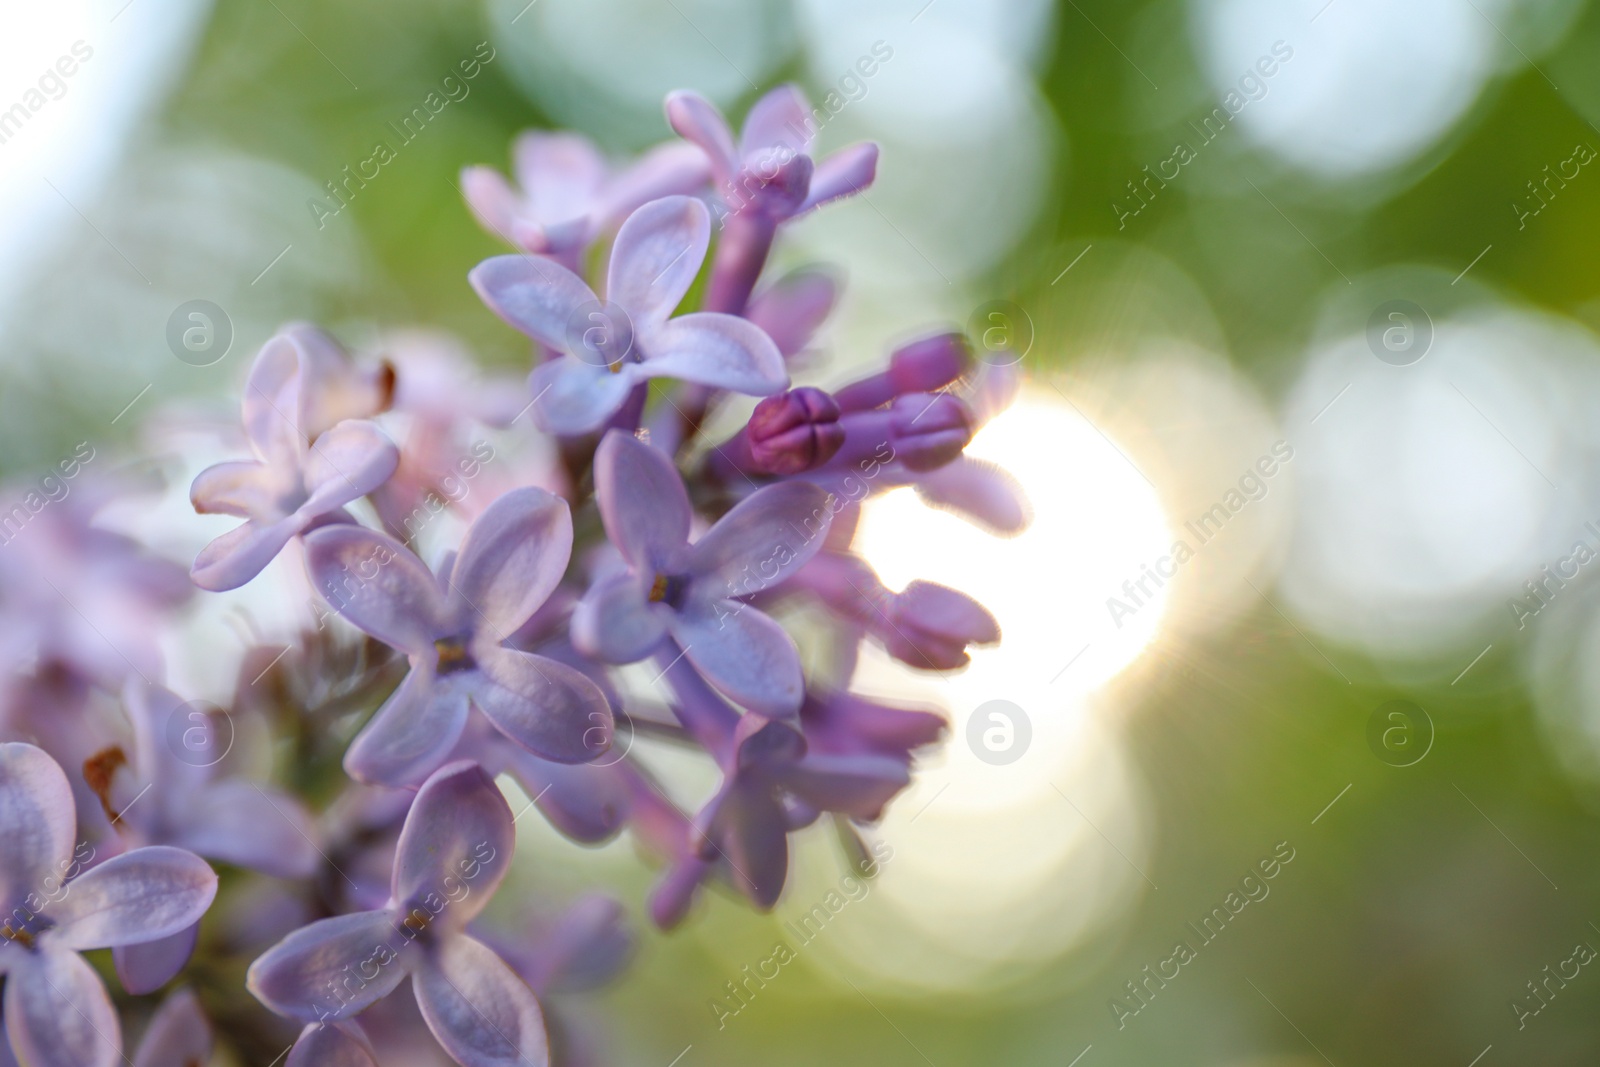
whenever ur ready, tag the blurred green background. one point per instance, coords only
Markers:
(1424, 899)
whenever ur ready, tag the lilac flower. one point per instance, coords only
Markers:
(179, 1035)
(453, 853)
(771, 172)
(791, 309)
(631, 338)
(452, 628)
(294, 481)
(774, 783)
(170, 799)
(768, 179)
(670, 587)
(569, 194)
(56, 1010)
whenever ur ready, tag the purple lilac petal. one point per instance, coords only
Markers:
(696, 119)
(549, 708)
(458, 838)
(858, 786)
(480, 1011)
(847, 171)
(490, 198)
(511, 560)
(586, 802)
(332, 1045)
(533, 295)
(239, 487)
(781, 118)
(346, 463)
(57, 1013)
(657, 253)
(722, 351)
(271, 403)
(791, 309)
(36, 821)
(573, 397)
(642, 502)
(178, 1035)
(145, 968)
(753, 837)
(412, 733)
(315, 974)
(673, 167)
(239, 555)
(378, 585)
(930, 626)
(744, 655)
(257, 827)
(139, 896)
(615, 623)
(588, 946)
(765, 538)
(561, 173)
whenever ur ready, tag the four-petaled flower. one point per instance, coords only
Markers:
(57, 1013)
(453, 629)
(631, 338)
(294, 481)
(454, 851)
(690, 591)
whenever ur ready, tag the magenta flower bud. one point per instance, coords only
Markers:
(929, 431)
(923, 366)
(794, 432)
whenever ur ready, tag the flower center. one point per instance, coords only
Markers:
(668, 589)
(23, 927)
(453, 655)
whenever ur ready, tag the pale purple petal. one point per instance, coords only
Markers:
(490, 198)
(242, 553)
(332, 1045)
(510, 561)
(722, 351)
(142, 895)
(588, 945)
(481, 1012)
(412, 733)
(145, 968)
(243, 488)
(753, 837)
(791, 309)
(178, 1035)
(930, 626)
(36, 821)
(346, 463)
(585, 802)
(858, 786)
(667, 169)
(333, 968)
(615, 623)
(256, 827)
(847, 171)
(781, 118)
(654, 260)
(561, 174)
(548, 708)
(643, 502)
(572, 396)
(744, 655)
(765, 538)
(271, 403)
(533, 294)
(58, 1015)
(696, 119)
(378, 585)
(456, 844)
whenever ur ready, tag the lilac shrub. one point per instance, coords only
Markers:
(480, 612)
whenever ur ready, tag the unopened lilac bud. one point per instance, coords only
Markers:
(929, 430)
(794, 431)
(923, 366)
(930, 626)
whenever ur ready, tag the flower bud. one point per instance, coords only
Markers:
(930, 626)
(923, 366)
(794, 431)
(929, 430)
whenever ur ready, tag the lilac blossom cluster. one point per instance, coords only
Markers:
(347, 795)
